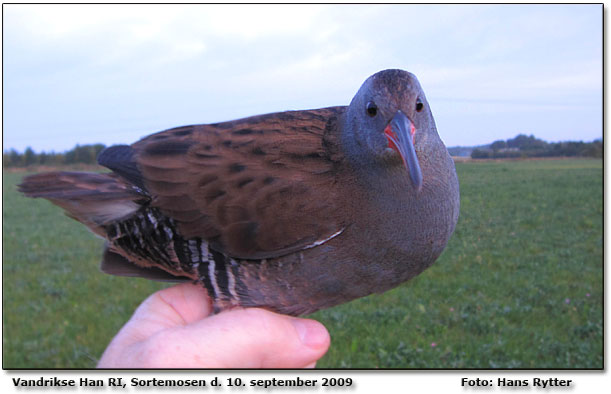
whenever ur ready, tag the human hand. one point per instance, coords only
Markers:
(173, 329)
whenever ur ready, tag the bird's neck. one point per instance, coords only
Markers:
(405, 220)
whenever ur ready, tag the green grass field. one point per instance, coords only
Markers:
(519, 286)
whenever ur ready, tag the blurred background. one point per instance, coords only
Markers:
(520, 283)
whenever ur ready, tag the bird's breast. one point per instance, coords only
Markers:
(403, 231)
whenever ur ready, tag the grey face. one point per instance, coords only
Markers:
(387, 117)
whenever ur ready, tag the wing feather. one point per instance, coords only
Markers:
(254, 188)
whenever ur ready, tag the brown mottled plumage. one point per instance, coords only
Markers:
(292, 211)
(245, 185)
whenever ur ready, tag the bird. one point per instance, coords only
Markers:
(291, 211)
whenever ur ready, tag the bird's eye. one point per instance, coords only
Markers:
(372, 109)
(419, 106)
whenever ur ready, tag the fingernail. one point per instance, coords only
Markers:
(311, 333)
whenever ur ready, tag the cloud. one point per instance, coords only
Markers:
(117, 72)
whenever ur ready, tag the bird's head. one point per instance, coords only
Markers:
(389, 124)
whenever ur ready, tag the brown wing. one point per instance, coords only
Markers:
(254, 188)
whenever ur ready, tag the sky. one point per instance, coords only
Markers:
(81, 74)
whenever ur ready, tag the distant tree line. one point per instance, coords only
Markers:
(529, 146)
(520, 146)
(85, 154)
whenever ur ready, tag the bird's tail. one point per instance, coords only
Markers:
(92, 199)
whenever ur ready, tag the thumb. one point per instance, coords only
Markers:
(241, 338)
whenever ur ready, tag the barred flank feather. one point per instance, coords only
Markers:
(141, 241)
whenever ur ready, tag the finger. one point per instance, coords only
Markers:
(178, 305)
(243, 338)
(182, 304)
(175, 306)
